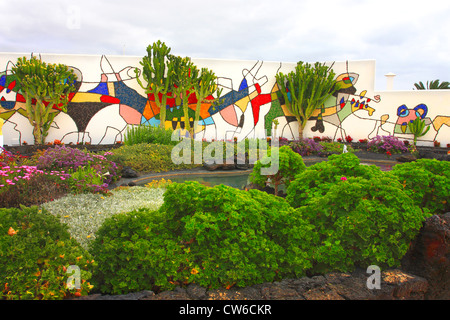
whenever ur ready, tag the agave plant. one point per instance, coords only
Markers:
(432, 85)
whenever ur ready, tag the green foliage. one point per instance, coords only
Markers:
(147, 157)
(186, 75)
(432, 85)
(86, 179)
(210, 236)
(35, 253)
(286, 162)
(49, 85)
(427, 182)
(157, 72)
(204, 88)
(149, 134)
(306, 89)
(417, 128)
(362, 222)
(334, 147)
(320, 177)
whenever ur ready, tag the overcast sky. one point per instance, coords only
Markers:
(409, 38)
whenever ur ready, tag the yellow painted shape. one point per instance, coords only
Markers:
(111, 90)
(286, 111)
(327, 111)
(439, 121)
(86, 97)
(243, 103)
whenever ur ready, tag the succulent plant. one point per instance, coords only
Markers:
(46, 89)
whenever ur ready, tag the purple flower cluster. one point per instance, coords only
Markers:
(306, 147)
(384, 144)
(62, 157)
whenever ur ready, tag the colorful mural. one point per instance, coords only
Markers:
(108, 99)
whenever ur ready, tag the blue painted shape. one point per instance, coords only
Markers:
(228, 99)
(3, 81)
(8, 105)
(421, 107)
(402, 111)
(102, 88)
(243, 84)
(208, 121)
(129, 97)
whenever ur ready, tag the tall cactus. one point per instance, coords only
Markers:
(417, 128)
(186, 74)
(306, 89)
(49, 85)
(203, 88)
(157, 73)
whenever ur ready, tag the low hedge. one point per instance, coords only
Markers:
(210, 236)
(36, 252)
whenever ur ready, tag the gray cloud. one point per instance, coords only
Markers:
(409, 38)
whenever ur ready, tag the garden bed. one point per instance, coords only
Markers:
(189, 210)
(29, 150)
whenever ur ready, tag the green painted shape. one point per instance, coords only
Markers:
(274, 112)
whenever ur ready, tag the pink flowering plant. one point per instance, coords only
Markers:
(71, 159)
(28, 185)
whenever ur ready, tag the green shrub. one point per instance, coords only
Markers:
(317, 179)
(334, 147)
(210, 236)
(145, 157)
(35, 253)
(427, 182)
(148, 134)
(288, 162)
(362, 222)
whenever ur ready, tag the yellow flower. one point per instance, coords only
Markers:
(194, 271)
(11, 231)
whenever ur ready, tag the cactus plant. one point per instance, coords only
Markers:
(417, 128)
(157, 72)
(186, 74)
(204, 88)
(46, 89)
(306, 89)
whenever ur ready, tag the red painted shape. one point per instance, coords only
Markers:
(257, 102)
(258, 88)
(109, 99)
(11, 86)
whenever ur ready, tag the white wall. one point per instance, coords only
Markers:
(91, 120)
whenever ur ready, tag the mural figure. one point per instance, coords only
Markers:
(99, 112)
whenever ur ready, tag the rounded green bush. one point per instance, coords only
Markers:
(427, 182)
(35, 254)
(362, 222)
(214, 237)
(317, 179)
(286, 164)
